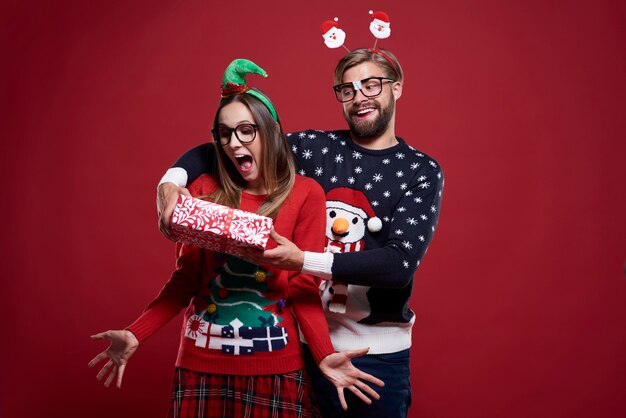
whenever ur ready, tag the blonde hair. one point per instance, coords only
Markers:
(383, 58)
(277, 167)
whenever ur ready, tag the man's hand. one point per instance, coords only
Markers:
(340, 371)
(286, 255)
(123, 346)
(167, 195)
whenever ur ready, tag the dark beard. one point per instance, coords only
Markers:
(374, 128)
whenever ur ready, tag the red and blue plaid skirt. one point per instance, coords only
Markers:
(214, 395)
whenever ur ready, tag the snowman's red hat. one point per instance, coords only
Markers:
(354, 201)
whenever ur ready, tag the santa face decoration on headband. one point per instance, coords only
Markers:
(333, 36)
(380, 25)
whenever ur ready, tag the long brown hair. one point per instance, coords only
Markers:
(277, 167)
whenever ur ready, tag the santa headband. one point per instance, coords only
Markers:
(380, 27)
(234, 82)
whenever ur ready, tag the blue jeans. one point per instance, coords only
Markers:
(395, 397)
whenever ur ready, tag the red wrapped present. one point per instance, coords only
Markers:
(218, 228)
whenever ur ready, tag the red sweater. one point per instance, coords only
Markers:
(241, 318)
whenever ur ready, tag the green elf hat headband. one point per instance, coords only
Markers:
(234, 82)
(334, 37)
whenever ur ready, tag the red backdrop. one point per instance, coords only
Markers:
(521, 300)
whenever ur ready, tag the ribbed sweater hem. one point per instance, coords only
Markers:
(242, 365)
(388, 341)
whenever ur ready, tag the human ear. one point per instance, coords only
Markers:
(396, 88)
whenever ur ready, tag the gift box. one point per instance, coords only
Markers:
(218, 228)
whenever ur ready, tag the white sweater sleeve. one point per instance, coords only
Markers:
(176, 175)
(318, 264)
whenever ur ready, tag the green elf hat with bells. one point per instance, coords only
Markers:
(234, 82)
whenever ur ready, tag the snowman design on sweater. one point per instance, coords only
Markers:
(348, 215)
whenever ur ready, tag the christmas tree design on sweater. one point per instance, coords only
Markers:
(235, 321)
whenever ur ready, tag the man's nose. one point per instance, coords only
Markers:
(356, 96)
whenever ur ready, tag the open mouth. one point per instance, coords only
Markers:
(244, 162)
(363, 113)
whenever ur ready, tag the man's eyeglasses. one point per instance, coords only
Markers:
(245, 133)
(369, 87)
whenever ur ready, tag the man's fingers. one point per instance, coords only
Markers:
(342, 399)
(356, 353)
(162, 192)
(276, 236)
(167, 196)
(360, 395)
(271, 254)
(165, 230)
(171, 200)
(368, 390)
(164, 225)
(164, 218)
(372, 379)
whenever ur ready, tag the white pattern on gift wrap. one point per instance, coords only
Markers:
(248, 229)
(218, 228)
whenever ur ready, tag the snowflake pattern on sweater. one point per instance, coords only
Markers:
(404, 188)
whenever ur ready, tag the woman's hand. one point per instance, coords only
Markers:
(123, 346)
(340, 371)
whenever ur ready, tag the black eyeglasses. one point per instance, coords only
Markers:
(369, 87)
(245, 133)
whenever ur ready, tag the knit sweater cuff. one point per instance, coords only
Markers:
(176, 175)
(318, 264)
(141, 330)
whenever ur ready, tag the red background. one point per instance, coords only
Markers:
(521, 300)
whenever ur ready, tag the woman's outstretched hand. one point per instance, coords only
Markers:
(340, 371)
(123, 346)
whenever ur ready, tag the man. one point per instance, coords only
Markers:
(383, 200)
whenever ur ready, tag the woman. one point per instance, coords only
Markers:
(240, 332)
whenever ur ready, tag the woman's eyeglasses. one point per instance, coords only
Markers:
(245, 133)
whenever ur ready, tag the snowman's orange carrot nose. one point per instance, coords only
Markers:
(340, 226)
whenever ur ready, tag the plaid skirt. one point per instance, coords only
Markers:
(213, 395)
